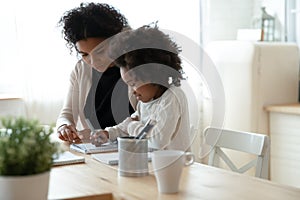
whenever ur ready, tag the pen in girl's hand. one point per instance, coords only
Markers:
(147, 128)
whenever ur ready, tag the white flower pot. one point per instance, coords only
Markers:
(31, 187)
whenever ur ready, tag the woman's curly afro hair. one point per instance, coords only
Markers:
(91, 20)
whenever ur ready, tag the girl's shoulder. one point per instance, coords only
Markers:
(175, 93)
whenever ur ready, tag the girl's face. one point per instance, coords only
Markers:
(94, 52)
(143, 91)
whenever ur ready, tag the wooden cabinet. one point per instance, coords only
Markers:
(284, 130)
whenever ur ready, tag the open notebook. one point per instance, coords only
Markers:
(67, 157)
(89, 148)
(111, 158)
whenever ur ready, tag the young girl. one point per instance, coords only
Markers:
(150, 65)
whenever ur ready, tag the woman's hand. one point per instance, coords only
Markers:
(99, 137)
(68, 133)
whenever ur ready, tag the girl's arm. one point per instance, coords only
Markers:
(167, 114)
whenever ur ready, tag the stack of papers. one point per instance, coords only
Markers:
(66, 158)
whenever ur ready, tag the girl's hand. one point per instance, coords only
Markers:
(99, 137)
(135, 118)
(84, 135)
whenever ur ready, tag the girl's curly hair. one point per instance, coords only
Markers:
(91, 20)
(148, 45)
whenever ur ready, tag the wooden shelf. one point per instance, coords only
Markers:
(284, 108)
(9, 96)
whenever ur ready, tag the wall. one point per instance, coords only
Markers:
(224, 18)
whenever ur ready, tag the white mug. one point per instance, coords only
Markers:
(167, 166)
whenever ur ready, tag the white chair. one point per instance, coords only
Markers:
(252, 143)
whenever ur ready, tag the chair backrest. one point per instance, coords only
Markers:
(252, 143)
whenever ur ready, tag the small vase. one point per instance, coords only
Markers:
(33, 187)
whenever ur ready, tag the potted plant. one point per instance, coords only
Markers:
(26, 157)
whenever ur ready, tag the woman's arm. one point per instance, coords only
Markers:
(68, 117)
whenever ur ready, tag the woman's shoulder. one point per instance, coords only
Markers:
(82, 67)
(81, 70)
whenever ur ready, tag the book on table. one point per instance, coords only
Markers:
(66, 158)
(89, 148)
(111, 158)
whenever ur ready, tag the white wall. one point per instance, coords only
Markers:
(224, 18)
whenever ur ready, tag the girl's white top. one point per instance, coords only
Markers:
(172, 128)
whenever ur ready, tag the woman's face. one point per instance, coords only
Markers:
(143, 91)
(94, 52)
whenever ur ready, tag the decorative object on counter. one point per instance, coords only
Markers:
(26, 157)
(267, 26)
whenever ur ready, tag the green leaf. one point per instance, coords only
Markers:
(25, 147)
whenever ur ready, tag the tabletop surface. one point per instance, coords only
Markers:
(94, 180)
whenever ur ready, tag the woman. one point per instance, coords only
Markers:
(96, 93)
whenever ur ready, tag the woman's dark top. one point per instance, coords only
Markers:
(107, 103)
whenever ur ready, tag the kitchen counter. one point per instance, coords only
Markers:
(284, 108)
(284, 131)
